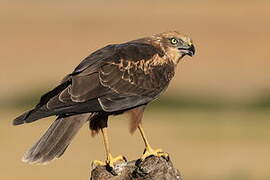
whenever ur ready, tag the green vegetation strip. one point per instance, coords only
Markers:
(166, 102)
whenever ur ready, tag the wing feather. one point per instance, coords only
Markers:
(122, 76)
(116, 77)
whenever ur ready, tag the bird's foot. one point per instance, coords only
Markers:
(152, 152)
(110, 163)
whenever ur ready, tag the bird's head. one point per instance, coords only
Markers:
(175, 45)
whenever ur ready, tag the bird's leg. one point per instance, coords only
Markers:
(110, 160)
(148, 149)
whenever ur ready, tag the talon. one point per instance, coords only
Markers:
(151, 152)
(111, 169)
(110, 162)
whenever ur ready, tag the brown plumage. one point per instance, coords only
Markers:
(115, 79)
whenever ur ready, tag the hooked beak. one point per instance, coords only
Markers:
(188, 51)
(191, 50)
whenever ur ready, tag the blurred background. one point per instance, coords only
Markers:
(213, 119)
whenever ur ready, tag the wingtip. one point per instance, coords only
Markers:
(21, 119)
(16, 122)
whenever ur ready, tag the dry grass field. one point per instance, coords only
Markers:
(41, 41)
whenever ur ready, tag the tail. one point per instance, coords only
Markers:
(57, 138)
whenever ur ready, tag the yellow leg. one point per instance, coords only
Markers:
(110, 160)
(148, 149)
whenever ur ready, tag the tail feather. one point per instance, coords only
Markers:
(56, 139)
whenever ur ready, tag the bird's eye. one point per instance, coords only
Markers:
(174, 41)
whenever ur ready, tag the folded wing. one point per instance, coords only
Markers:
(114, 78)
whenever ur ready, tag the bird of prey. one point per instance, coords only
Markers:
(116, 79)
